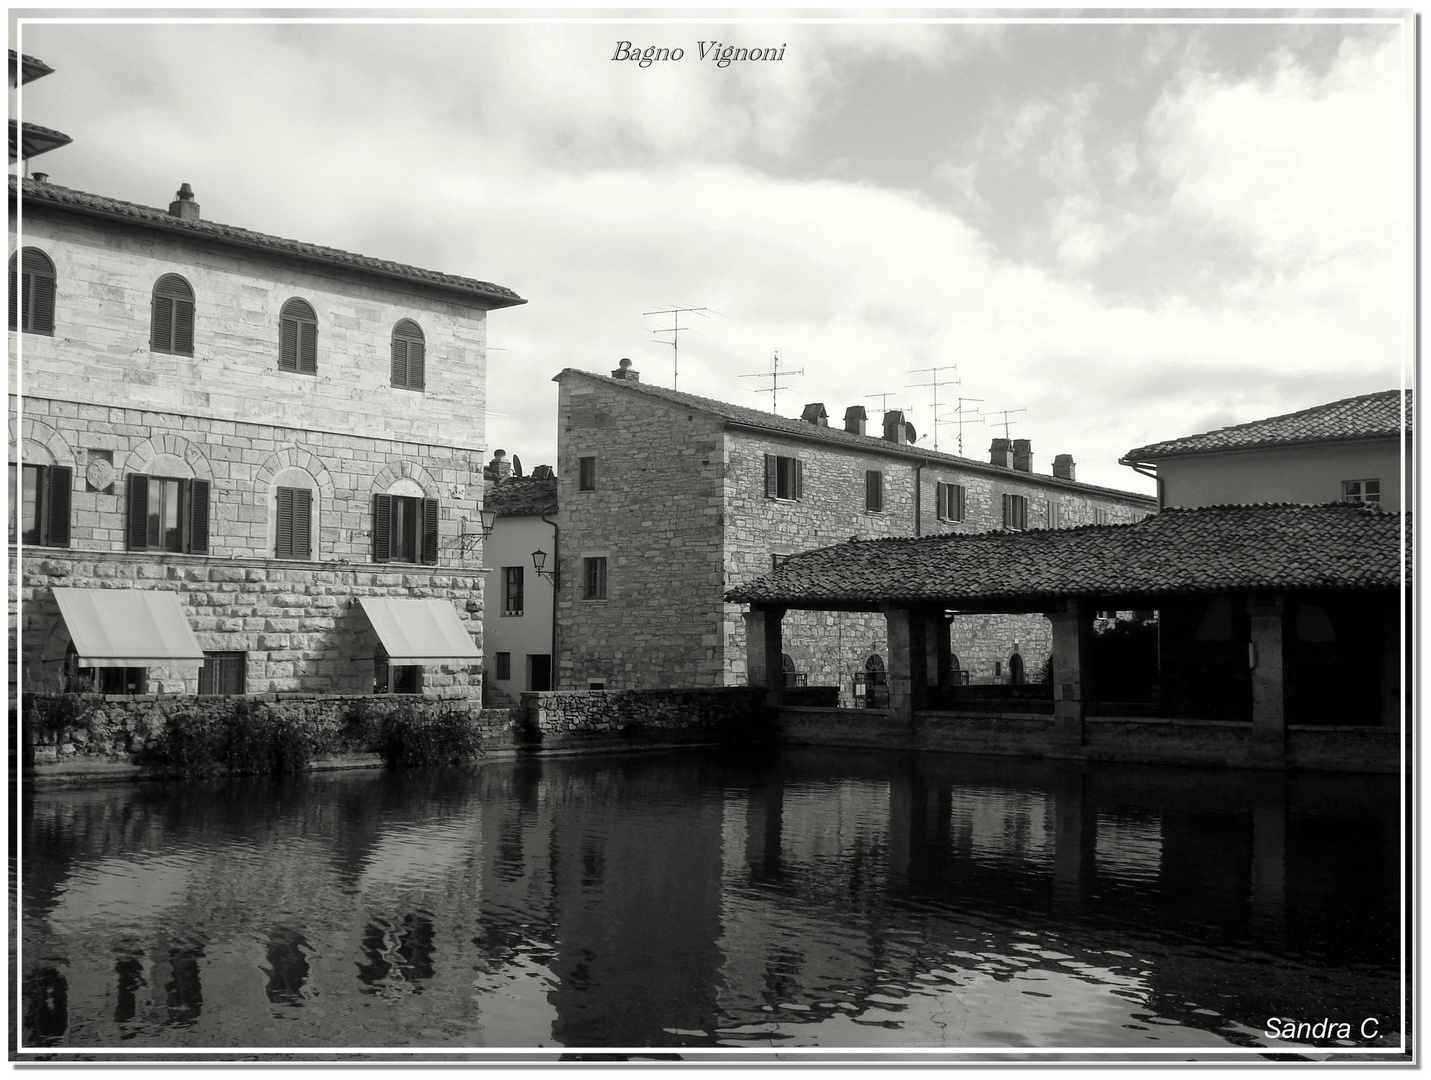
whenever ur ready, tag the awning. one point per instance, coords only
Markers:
(129, 628)
(421, 631)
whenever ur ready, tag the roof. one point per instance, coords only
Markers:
(740, 416)
(522, 496)
(484, 293)
(1370, 416)
(31, 140)
(31, 68)
(1212, 549)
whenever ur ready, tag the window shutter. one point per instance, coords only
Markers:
(799, 492)
(14, 309)
(302, 523)
(959, 501)
(872, 491)
(288, 344)
(161, 329)
(308, 347)
(382, 527)
(57, 518)
(137, 506)
(184, 327)
(1008, 512)
(399, 362)
(42, 311)
(27, 288)
(770, 476)
(941, 501)
(283, 526)
(429, 530)
(198, 517)
(416, 366)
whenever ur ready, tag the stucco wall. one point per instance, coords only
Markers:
(1301, 474)
(512, 542)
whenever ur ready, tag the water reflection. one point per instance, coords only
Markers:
(803, 899)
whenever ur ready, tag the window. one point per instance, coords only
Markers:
(596, 684)
(1053, 515)
(784, 477)
(593, 578)
(222, 673)
(294, 524)
(168, 514)
(1100, 517)
(874, 491)
(298, 337)
(504, 665)
(408, 363)
(391, 678)
(587, 481)
(1364, 491)
(102, 680)
(405, 529)
(43, 506)
(777, 561)
(1016, 512)
(512, 590)
(949, 502)
(171, 327)
(37, 292)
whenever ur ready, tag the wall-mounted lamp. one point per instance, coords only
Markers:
(539, 560)
(469, 540)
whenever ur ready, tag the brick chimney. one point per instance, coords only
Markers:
(1063, 466)
(626, 371)
(815, 414)
(1001, 453)
(40, 177)
(184, 205)
(500, 469)
(855, 419)
(543, 472)
(895, 429)
(1023, 455)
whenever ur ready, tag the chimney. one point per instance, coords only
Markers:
(895, 427)
(543, 472)
(625, 371)
(501, 468)
(1063, 466)
(1001, 454)
(815, 414)
(855, 419)
(184, 205)
(41, 178)
(1023, 455)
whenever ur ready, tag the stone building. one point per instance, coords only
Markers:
(668, 499)
(286, 439)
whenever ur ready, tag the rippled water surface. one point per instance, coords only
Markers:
(799, 899)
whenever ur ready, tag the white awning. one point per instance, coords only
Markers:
(421, 631)
(129, 628)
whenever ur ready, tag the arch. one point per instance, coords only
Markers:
(874, 663)
(171, 323)
(409, 348)
(41, 444)
(298, 337)
(36, 311)
(956, 671)
(1016, 669)
(787, 662)
(389, 480)
(169, 455)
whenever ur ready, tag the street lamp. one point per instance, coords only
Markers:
(539, 560)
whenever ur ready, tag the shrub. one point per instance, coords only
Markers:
(249, 740)
(412, 736)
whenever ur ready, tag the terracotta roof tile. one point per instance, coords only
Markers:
(522, 496)
(1370, 416)
(1209, 549)
(49, 194)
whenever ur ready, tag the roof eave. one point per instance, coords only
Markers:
(1148, 455)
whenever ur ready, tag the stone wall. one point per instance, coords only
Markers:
(90, 727)
(299, 624)
(566, 719)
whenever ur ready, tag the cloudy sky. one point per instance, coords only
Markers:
(1127, 230)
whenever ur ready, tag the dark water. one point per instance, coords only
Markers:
(687, 901)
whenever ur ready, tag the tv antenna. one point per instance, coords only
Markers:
(961, 417)
(774, 376)
(1005, 413)
(883, 401)
(675, 332)
(936, 383)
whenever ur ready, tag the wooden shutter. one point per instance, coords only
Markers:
(288, 344)
(872, 490)
(799, 467)
(399, 361)
(283, 525)
(42, 304)
(1008, 512)
(14, 302)
(308, 347)
(959, 502)
(137, 508)
(161, 325)
(198, 517)
(382, 527)
(771, 476)
(59, 480)
(184, 327)
(416, 366)
(302, 543)
(941, 501)
(429, 530)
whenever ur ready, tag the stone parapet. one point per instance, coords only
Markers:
(559, 719)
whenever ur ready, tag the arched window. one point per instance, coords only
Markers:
(36, 314)
(298, 337)
(874, 663)
(408, 361)
(1016, 669)
(171, 328)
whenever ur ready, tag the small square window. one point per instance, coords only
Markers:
(1016, 512)
(587, 480)
(949, 502)
(777, 561)
(784, 477)
(596, 684)
(504, 665)
(223, 673)
(1362, 491)
(1100, 517)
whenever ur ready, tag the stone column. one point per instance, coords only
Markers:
(908, 661)
(940, 656)
(1268, 660)
(1073, 690)
(762, 652)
